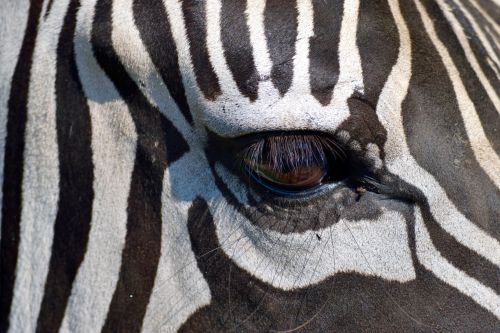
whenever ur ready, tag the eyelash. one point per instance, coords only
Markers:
(305, 150)
(286, 152)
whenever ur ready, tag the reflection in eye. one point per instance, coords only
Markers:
(301, 177)
(291, 163)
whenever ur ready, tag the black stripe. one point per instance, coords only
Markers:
(378, 42)
(13, 163)
(490, 119)
(436, 133)
(196, 29)
(237, 47)
(158, 144)
(485, 26)
(457, 254)
(437, 140)
(154, 27)
(49, 7)
(323, 49)
(204, 243)
(454, 252)
(343, 302)
(460, 256)
(490, 7)
(72, 225)
(280, 20)
(491, 35)
(477, 47)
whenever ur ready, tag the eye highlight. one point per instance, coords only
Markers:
(288, 164)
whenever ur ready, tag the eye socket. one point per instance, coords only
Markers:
(291, 164)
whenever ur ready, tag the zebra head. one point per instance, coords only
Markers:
(260, 165)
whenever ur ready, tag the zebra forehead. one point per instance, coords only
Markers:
(278, 63)
(265, 65)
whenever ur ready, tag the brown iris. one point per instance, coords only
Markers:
(296, 178)
(289, 163)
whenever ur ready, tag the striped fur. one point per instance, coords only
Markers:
(122, 210)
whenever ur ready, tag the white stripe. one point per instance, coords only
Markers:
(179, 288)
(216, 49)
(484, 41)
(350, 70)
(400, 161)
(194, 95)
(175, 16)
(305, 30)
(469, 54)
(444, 270)
(134, 56)
(40, 178)
(13, 21)
(113, 147)
(269, 111)
(484, 153)
(255, 21)
(171, 302)
(287, 261)
(493, 67)
(486, 16)
(238, 189)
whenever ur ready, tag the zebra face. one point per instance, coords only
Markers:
(253, 165)
(285, 74)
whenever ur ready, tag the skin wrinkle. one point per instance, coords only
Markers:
(259, 303)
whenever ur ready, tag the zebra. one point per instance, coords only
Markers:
(263, 165)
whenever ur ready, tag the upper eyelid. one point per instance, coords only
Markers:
(292, 149)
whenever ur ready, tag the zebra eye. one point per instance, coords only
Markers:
(292, 164)
(301, 177)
